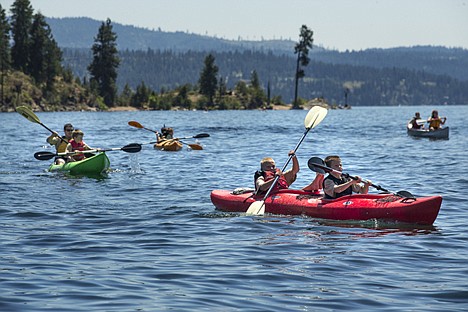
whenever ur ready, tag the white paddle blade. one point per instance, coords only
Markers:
(256, 208)
(315, 116)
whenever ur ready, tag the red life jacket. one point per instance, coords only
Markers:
(269, 175)
(77, 147)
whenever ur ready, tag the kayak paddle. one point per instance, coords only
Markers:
(138, 125)
(130, 148)
(27, 113)
(316, 164)
(313, 118)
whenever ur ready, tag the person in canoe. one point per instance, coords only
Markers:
(61, 142)
(77, 144)
(414, 121)
(268, 172)
(335, 185)
(435, 121)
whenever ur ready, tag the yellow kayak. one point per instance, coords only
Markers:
(169, 145)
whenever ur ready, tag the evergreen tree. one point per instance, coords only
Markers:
(103, 68)
(208, 81)
(126, 96)
(21, 21)
(254, 80)
(4, 51)
(302, 51)
(45, 54)
(257, 96)
(4, 41)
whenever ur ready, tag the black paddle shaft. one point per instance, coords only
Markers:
(316, 162)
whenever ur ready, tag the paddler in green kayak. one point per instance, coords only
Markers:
(76, 144)
(61, 142)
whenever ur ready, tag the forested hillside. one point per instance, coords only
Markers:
(367, 85)
(79, 33)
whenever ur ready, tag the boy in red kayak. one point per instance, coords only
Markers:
(268, 172)
(335, 185)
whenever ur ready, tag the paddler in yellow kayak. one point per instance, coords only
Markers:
(61, 142)
(166, 140)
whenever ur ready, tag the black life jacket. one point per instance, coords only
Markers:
(337, 181)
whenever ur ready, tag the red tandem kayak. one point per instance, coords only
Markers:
(422, 210)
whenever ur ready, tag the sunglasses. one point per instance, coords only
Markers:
(69, 129)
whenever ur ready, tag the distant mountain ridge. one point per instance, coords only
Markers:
(79, 33)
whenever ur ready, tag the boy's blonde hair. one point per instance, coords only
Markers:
(265, 161)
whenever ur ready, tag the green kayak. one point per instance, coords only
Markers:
(94, 165)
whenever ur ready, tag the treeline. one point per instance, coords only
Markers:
(31, 65)
(435, 60)
(167, 70)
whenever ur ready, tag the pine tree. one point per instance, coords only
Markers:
(45, 54)
(21, 21)
(4, 51)
(208, 81)
(302, 51)
(103, 68)
(4, 41)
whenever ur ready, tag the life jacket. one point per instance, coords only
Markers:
(62, 146)
(435, 123)
(77, 147)
(267, 176)
(338, 181)
(415, 124)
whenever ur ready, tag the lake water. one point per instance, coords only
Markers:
(147, 238)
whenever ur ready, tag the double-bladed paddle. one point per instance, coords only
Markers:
(313, 118)
(138, 125)
(316, 164)
(130, 148)
(27, 113)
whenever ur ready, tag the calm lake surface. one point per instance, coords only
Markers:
(147, 238)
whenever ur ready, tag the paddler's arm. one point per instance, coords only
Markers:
(53, 139)
(295, 167)
(264, 186)
(291, 174)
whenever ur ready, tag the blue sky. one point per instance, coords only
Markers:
(337, 24)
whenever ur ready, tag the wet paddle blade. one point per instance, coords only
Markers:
(27, 113)
(196, 147)
(135, 124)
(201, 135)
(44, 155)
(315, 116)
(256, 208)
(316, 164)
(132, 148)
(405, 194)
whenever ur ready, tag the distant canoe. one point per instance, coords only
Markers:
(442, 133)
